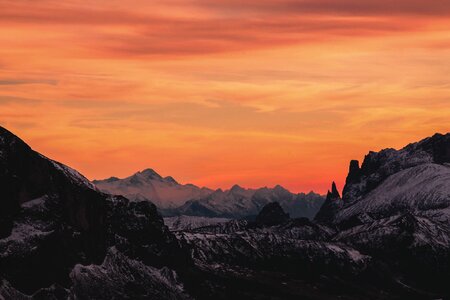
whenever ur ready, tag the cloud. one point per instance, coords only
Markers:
(337, 7)
(27, 81)
(18, 100)
(217, 26)
(197, 37)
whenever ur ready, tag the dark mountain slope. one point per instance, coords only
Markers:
(53, 218)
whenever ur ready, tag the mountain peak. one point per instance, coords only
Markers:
(332, 204)
(272, 214)
(9, 139)
(111, 179)
(150, 173)
(438, 146)
(334, 192)
(170, 179)
(236, 188)
(353, 169)
(279, 188)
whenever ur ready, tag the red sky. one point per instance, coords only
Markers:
(220, 92)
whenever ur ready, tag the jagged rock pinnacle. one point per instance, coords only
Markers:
(331, 205)
(334, 192)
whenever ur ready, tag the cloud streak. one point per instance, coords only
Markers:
(342, 7)
(218, 26)
(27, 81)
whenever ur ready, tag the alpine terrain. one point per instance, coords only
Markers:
(174, 199)
(386, 237)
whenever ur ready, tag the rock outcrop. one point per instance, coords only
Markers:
(331, 206)
(272, 214)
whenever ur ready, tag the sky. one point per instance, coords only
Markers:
(255, 92)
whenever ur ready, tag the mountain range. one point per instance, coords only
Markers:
(164, 192)
(386, 237)
(174, 199)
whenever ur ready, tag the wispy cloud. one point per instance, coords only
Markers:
(218, 26)
(4, 99)
(27, 81)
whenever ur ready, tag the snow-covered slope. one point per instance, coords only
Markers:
(114, 277)
(164, 192)
(250, 247)
(272, 237)
(405, 255)
(424, 190)
(413, 179)
(191, 222)
(396, 208)
(377, 166)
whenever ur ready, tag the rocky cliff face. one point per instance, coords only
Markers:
(377, 166)
(414, 179)
(26, 175)
(52, 218)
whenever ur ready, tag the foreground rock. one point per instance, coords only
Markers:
(52, 218)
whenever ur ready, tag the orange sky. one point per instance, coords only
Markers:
(256, 92)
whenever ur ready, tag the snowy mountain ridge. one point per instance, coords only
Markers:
(413, 179)
(423, 189)
(164, 192)
(175, 199)
(240, 203)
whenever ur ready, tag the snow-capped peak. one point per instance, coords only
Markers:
(147, 184)
(149, 173)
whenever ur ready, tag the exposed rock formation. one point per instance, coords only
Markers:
(332, 204)
(272, 214)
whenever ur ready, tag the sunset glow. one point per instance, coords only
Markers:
(257, 92)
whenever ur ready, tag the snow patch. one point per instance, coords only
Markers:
(73, 174)
(35, 202)
(191, 222)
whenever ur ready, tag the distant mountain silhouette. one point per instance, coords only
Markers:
(164, 192)
(175, 199)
